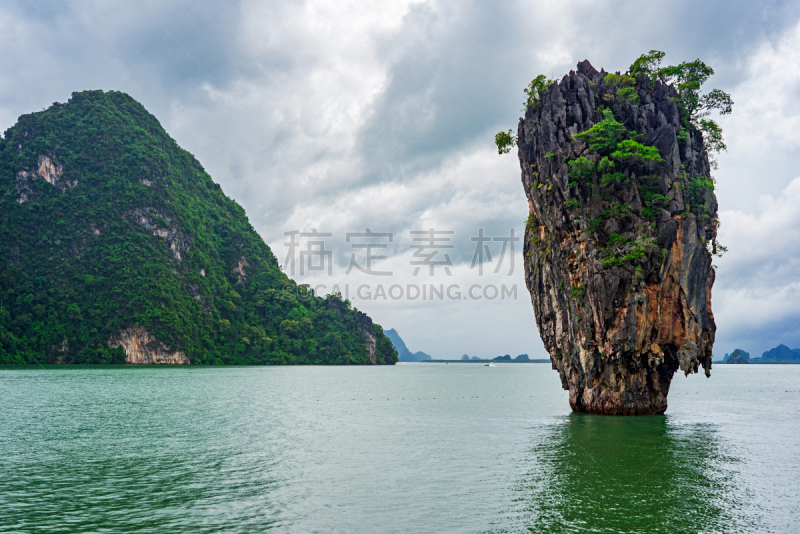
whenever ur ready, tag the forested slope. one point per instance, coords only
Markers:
(111, 234)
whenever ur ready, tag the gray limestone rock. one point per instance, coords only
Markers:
(620, 283)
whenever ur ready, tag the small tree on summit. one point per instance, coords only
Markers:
(647, 64)
(688, 77)
(535, 89)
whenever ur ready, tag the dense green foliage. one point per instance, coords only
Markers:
(635, 154)
(604, 136)
(619, 150)
(626, 85)
(80, 259)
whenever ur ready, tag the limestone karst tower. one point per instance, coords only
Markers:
(618, 244)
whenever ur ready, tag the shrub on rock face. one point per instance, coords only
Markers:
(534, 91)
(505, 141)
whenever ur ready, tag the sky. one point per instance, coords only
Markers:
(338, 117)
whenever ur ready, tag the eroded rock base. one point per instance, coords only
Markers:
(619, 391)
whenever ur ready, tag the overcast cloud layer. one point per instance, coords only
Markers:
(344, 116)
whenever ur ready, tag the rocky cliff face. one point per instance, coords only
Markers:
(616, 248)
(142, 348)
(367, 329)
(49, 170)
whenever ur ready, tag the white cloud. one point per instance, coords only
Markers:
(758, 285)
(757, 294)
(763, 150)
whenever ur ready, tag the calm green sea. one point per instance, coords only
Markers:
(411, 448)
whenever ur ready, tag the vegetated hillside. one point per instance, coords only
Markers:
(781, 352)
(742, 353)
(115, 244)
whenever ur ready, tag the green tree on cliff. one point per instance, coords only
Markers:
(535, 89)
(688, 78)
(505, 141)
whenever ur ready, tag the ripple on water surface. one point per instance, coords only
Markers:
(411, 448)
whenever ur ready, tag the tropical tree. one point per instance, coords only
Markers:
(688, 78)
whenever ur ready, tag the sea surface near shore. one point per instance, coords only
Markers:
(409, 448)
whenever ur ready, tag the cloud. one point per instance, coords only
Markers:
(374, 114)
(762, 155)
(757, 295)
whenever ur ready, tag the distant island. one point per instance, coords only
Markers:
(738, 357)
(507, 357)
(778, 355)
(403, 354)
(737, 352)
(522, 358)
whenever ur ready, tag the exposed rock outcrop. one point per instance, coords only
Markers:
(59, 351)
(142, 348)
(367, 329)
(618, 269)
(162, 226)
(737, 357)
(23, 187)
(50, 170)
(239, 269)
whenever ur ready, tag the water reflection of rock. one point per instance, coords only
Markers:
(648, 474)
